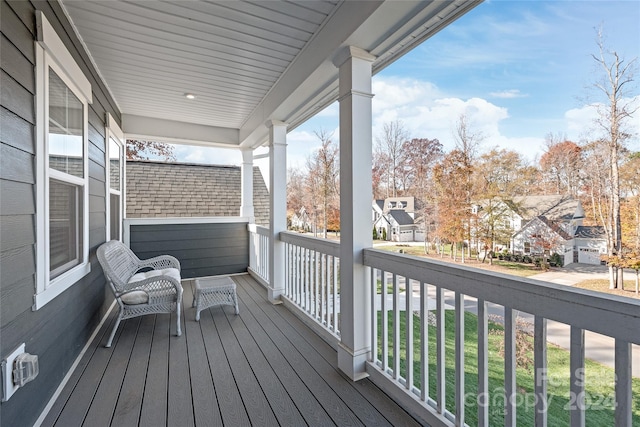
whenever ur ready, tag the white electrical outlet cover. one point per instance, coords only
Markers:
(8, 386)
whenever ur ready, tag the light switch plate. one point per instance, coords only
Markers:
(7, 386)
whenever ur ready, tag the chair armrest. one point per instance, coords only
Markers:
(160, 262)
(155, 285)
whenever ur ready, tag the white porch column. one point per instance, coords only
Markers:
(246, 185)
(277, 206)
(355, 208)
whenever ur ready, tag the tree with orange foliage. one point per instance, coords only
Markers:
(453, 210)
(630, 209)
(560, 166)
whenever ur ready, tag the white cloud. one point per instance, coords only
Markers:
(508, 94)
(427, 113)
(207, 155)
(393, 93)
(581, 122)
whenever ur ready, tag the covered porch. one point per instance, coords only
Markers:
(326, 333)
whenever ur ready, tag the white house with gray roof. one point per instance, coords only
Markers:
(563, 235)
(397, 216)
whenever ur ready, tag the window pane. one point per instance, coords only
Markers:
(115, 216)
(65, 128)
(65, 226)
(114, 164)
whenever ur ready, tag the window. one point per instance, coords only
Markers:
(527, 247)
(115, 183)
(63, 94)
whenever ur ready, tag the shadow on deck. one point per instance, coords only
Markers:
(263, 367)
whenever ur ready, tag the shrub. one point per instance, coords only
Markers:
(524, 342)
(375, 234)
(555, 259)
(384, 234)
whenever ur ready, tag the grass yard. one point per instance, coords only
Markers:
(599, 379)
(602, 285)
(515, 268)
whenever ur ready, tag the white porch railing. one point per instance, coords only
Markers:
(312, 280)
(402, 356)
(259, 252)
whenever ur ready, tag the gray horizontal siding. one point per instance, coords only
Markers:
(59, 330)
(202, 249)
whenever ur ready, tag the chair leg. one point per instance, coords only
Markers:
(235, 302)
(113, 331)
(178, 304)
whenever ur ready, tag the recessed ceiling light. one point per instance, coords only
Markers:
(189, 96)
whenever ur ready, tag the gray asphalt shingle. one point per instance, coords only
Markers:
(187, 190)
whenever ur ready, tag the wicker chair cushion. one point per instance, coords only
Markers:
(135, 297)
(171, 272)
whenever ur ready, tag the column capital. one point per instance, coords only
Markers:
(348, 52)
(247, 155)
(275, 123)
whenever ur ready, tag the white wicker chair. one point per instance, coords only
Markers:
(138, 293)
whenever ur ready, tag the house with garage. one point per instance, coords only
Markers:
(590, 244)
(301, 220)
(542, 236)
(396, 217)
(570, 239)
(79, 78)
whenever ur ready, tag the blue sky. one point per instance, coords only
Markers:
(519, 70)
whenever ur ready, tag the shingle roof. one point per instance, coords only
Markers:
(590, 232)
(553, 225)
(190, 190)
(554, 207)
(401, 217)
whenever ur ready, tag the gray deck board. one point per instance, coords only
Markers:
(154, 406)
(262, 367)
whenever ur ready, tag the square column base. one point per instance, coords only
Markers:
(354, 365)
(274, 295)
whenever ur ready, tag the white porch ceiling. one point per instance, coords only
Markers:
(246, 62)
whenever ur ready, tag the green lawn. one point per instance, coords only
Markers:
(518, 268)
(509, 267)
(599, 379)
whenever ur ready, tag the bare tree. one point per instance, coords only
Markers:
(295, 191)
(614, 113)
(390, 144)
(467, 143)
(420, 157)
(323, 171)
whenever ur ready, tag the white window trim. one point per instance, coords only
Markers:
(52, 53)
(113, 131)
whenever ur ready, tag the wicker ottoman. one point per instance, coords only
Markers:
(213, 291)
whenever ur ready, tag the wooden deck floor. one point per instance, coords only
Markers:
(263, 367)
